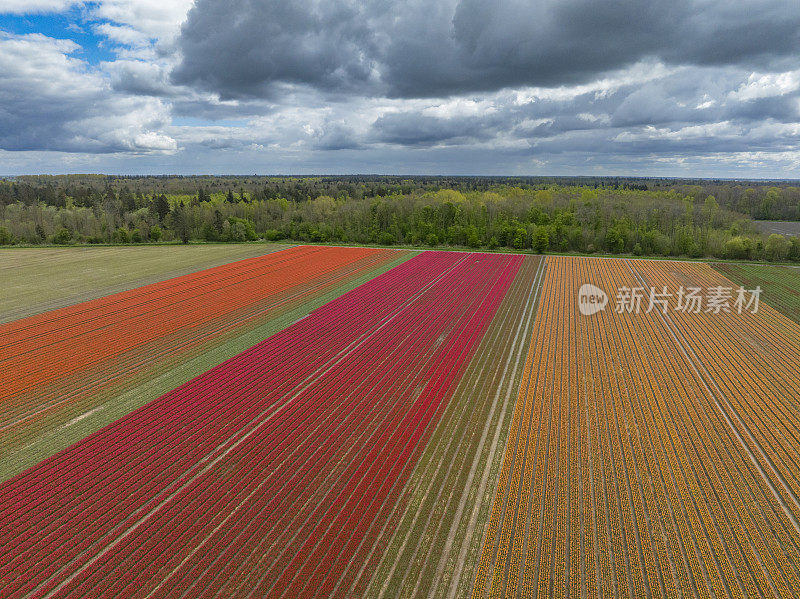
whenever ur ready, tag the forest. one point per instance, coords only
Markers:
(647, 217)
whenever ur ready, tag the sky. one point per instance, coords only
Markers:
(685, 88)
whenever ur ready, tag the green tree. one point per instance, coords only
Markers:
(794, 248)
(615, 240)
(710, 210)
(777, 247)
(240, 229)
(219, 223)
(520, 238)
(472, 237)
(161, 207)
(127, 199)
(181, 224)
(739, 247)
(62, 236)
(122, 235)
(766, 209)
(541, 240)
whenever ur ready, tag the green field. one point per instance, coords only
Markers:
(39, 279)
(780, 284)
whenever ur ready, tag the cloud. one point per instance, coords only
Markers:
(22, 7)
(415, 129)
(337, 136)
(138, 77)
(419, 49)
(121, 34)
(272, 42)
(767, 85)
(153, 19)
(453, 86)
(50, 100)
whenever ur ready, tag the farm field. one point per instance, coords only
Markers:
(780, 284)
(41, 279)
(433, 550)
(781, 227)
(272, 473)
(650, 454)
(352, 422)
(68, 372)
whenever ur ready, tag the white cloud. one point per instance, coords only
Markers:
(50, 100)
(150, 140)
(121, 34)
(155, 19)
(461, 107)
(767, 86)
(723, 129)
(636, 74)
(594, 118)
(22, 7)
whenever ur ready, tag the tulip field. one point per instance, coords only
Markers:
(42, 279)
(354, 422)
(67, 372)
(650, 454)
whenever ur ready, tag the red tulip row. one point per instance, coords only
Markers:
(267, 472)
(59, 365)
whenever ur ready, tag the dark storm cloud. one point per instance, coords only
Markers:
(245, 48)
(337, 136)
(140, 78)
(414, 129)
(694, 110)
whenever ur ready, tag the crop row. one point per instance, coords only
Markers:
(273, 472)
(134, 347)
(95, 331)
(650, 455)
(780, 285)
(429, 553)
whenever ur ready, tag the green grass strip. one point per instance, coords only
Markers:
(780, 285)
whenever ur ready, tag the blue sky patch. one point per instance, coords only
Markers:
(72, 24)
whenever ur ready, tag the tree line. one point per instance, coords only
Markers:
(639, 217)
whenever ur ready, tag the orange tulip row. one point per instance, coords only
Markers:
(641, 446)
